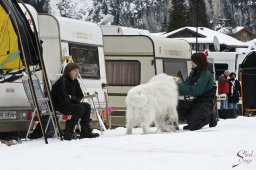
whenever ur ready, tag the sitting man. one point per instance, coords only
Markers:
(66, 95)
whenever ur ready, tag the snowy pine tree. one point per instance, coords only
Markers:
(178, 15)
(197, 14)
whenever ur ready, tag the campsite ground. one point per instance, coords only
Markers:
(232, 142)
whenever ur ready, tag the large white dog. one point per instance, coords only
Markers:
(151, 102)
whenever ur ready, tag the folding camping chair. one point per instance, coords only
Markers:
(42, 103)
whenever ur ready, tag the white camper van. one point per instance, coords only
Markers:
(61, 37)
(227, 61)
(15, 111)
(133, 59)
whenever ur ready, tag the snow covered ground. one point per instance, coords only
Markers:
(232, 142)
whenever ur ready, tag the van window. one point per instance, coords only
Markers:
(123, 73)
(220, 68)
(87, 57)
(173, 66)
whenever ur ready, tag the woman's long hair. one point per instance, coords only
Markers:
(69, 67)
(201, 61)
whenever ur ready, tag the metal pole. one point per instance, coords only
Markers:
(196, 26)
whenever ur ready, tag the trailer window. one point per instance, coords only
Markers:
(173, 66)
(220, 68)
(87, 57)
(123, 73)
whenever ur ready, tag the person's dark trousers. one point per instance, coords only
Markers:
(197, 114)
(78, 111)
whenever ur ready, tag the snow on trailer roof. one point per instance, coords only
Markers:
(80, 31)
(209, 36)
(120, 30)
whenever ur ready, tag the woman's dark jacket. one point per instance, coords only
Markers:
(66, 91)
(197, 84)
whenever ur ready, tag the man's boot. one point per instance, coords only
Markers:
(69, 131)
(86, 132)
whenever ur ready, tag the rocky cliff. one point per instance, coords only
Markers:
(147, 14)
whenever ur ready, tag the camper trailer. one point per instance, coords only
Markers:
(133, 59)
(83, 41)
(61, 37)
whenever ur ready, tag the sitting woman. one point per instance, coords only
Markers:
(198, 112)
(67, 95)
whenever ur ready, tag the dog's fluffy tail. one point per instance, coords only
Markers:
(137, 99)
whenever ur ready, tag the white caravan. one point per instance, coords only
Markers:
(61, 37)
(133, 59)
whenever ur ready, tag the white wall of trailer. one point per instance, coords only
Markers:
(178, 50)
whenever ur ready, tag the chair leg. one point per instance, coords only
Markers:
(53, 124)
(102, 126)
(30, 124)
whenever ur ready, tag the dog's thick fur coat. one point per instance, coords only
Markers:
(151, 102)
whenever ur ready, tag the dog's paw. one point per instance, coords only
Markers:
(128, 131)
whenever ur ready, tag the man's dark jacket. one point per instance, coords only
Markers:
(66, 91)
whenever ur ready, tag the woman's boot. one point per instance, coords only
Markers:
(213, 119)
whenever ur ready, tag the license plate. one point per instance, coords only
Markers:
(4, 115)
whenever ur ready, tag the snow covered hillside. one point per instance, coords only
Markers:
(232, 142)
(152, 15)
